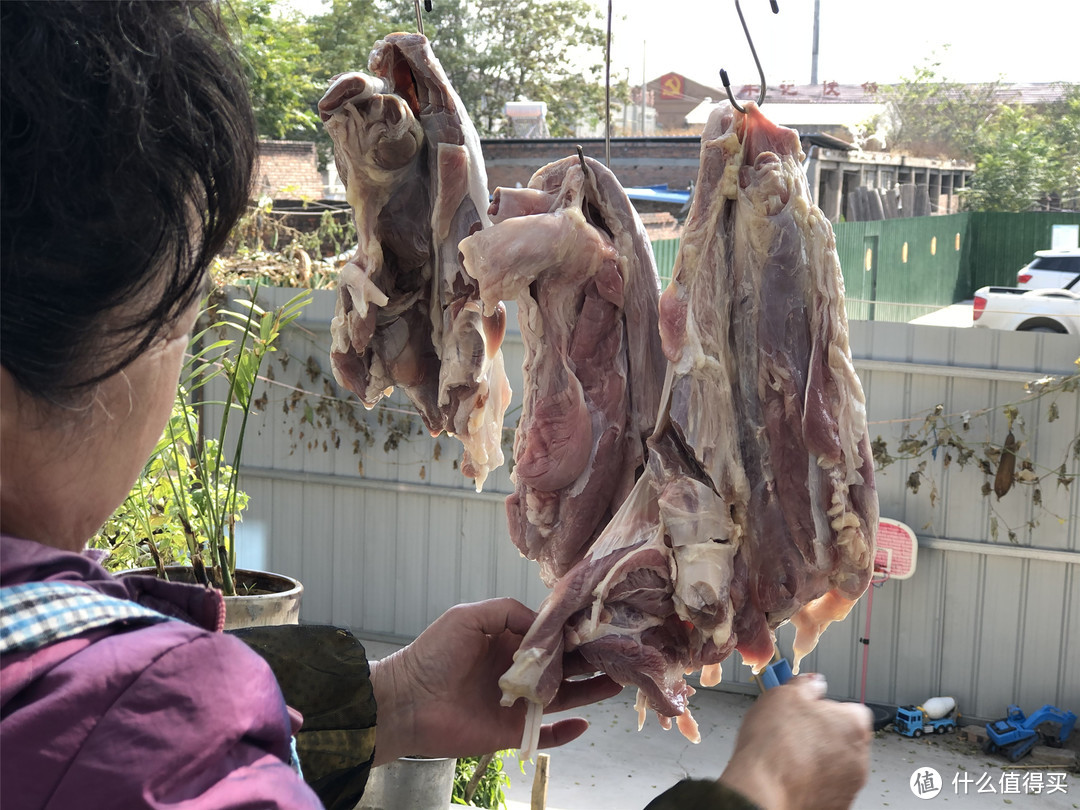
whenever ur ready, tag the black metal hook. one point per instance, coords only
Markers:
(761, 72)
(581, 158)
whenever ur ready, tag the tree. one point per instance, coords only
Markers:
(343, 36)
(1028, 158)
(535, 50)
(1012, 164)
(495, 51)
(279, 56)
(929, 116)
(1063, 125)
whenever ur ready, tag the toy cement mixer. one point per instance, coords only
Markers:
(937, 715)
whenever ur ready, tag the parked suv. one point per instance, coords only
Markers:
(1049, 269)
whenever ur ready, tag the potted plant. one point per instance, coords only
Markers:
(181, 514)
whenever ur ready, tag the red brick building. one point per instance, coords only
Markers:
(288, 170)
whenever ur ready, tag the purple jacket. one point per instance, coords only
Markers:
(149, 717)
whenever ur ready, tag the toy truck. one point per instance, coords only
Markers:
(1014, 736)
(936, 716)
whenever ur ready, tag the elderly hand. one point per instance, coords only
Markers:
(439, 696)
(797, 750)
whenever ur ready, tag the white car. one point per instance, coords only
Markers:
(1014, 309)
(1049, 268)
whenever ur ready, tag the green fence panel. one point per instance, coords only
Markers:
(665, 251)
(858, 292)
(1001, 244)
(900, 269)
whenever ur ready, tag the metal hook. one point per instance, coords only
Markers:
(761, 72)
(581, 158)
(419, 19)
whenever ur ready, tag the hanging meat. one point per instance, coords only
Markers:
(572, 252)
(407, 314)
(757, 503)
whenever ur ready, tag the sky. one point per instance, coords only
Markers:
(859, 40)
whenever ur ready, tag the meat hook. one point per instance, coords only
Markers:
(419, 19)
(581, 158)
(761, 72)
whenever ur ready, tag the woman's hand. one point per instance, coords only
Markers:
(797, 750)
(440, 695)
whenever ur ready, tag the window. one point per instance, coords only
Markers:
(1064, 264)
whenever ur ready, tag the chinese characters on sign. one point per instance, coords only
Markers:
(926, 783)
(672, 87)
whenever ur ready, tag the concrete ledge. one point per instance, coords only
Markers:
(1055, 757)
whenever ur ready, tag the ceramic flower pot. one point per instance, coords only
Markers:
(262, 598)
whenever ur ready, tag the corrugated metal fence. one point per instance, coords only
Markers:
(372, 514)
(899, 269)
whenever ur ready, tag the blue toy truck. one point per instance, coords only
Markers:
(936, 716)
(1014, 736)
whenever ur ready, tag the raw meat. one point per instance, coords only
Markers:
(407, 314)
(572, 252)
(757, 504)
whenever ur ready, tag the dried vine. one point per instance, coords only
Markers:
(1005, 466)
(330, 416)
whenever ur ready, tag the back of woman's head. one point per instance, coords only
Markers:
(127, 148)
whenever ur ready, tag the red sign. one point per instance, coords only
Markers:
(671, 86)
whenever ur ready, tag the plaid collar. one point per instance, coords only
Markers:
(35, 614)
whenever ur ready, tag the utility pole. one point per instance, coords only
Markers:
(626, 110)
(814, 56)
(644, 91)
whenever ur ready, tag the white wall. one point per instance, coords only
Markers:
(990, 623)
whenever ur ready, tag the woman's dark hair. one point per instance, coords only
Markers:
(128, 143)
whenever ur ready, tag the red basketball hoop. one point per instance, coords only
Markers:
(897, 550)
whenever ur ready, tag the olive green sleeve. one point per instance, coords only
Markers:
(701, 794)
(323, 673)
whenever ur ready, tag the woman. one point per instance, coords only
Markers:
(127, 148)
(128, 143)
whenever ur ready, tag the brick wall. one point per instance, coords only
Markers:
(288, 170)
